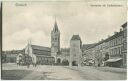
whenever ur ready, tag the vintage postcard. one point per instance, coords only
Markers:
(64, 40)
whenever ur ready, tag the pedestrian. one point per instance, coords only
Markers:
(34, 62)
(17, 62)
(27, 62)
(28, 65)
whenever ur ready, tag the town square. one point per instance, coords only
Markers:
(47, 43)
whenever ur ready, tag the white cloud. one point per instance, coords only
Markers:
(20, 39)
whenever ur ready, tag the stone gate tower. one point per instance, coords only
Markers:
(55, 41)
(75, 51)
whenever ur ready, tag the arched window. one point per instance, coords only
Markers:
(65, 62)
(74, 63)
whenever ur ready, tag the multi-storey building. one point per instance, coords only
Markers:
(111, 51)
(88, 54)
(124, 51)
(115, 49)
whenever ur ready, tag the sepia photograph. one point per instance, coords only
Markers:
(64, 40)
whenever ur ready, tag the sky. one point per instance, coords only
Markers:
(24, 21)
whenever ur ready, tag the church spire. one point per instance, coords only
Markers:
(55, 41)
(55, 29)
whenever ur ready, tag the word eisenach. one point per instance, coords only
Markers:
(20, 4)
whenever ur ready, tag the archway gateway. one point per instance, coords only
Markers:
(58, 61)
(65, 62)
(74, 63)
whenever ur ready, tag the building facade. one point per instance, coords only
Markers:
(111, 51)
(75, 51)
(124, 50)
(10, 56)
(88, 54)
(63, 57)
(39, 54)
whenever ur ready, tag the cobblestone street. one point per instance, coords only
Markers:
(43, 72)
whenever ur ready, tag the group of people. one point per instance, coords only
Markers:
(29, 62)
(25, 60)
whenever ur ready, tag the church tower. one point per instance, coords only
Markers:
(55, 41)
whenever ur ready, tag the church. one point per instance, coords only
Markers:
(45, 55)
(56, 55)
(39, 54)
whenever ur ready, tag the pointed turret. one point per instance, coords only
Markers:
(55, 29)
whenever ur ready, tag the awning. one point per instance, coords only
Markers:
(113, 60)
(91, 61)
